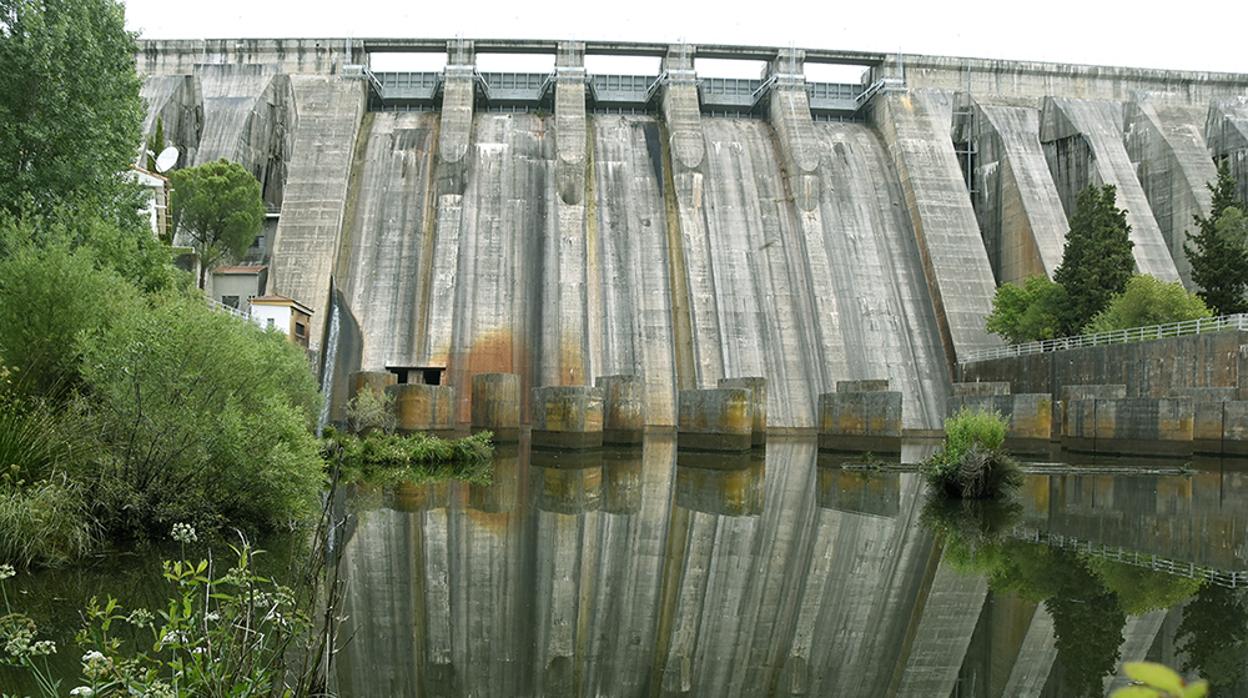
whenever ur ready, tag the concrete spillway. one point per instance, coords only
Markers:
(1084, 145)
(1167, 144)
(1020, 212)
(383, 254)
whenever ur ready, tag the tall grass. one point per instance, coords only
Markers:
(973, 463)
(44, 517)
(31, 438)
(44, 523)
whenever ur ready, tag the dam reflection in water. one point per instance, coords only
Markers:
(648, 572)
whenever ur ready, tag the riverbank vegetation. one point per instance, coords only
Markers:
(126, 403)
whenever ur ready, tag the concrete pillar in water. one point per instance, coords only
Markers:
(496, 405)
(567, 417)
(715, 419)
(757, 386)
(860, 416)
(376, 381)
(623, 408)
(427, 408)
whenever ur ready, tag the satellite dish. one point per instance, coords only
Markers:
(167, 159)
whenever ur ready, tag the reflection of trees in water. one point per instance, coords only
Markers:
(1214, 636)
(1088, 621)
(1089, 598)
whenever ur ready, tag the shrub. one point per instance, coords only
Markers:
(50, 299)
(371, 411)
(1148, 301)
(202, 418)
(972, 463)
(1028, 312)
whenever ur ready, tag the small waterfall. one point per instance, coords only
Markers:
(330, 355)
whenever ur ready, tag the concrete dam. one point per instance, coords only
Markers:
(682, 228)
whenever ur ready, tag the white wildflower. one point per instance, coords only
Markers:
(84, 691)
(184, 533)
(7, 571)
(212, 616)
(43, 648)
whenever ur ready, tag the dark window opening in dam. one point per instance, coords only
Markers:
(419, 375)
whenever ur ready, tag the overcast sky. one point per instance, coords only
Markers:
(1192, 35)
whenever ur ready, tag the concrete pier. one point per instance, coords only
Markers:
(496, 405)
(715, 419)
(757, 385)
(860, 416)
(376, 381)
(424, 408)
(567, 417)
(623, 409)
(1131, 426)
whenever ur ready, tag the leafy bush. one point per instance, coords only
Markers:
(203, 418)
(52, 301)
(371, 411)
(972, 463)
(1149, 301)
(1028, 312)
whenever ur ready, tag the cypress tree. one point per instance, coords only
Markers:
(1218, 251)
(1097, 259)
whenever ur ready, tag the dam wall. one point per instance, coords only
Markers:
(569, 226)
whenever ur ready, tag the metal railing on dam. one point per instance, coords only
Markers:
(417, 91)
(1100, 339)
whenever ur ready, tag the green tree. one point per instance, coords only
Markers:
(1148, 301)
(70, 110)
(1027, 312)
(1097, 259)
(1218, 251)
(219, 207)
(1214, 635)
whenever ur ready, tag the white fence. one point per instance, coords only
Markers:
(218, 305)
(1227, 578)
(1135, 334)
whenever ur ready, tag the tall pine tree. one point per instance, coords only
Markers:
(1097, 259)
(1218, 251)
